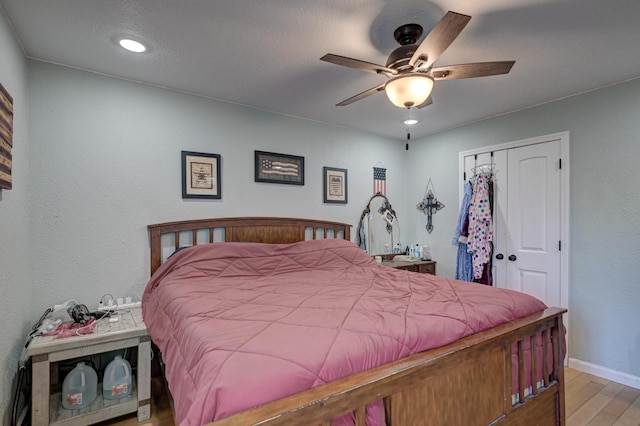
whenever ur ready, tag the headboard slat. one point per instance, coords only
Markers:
(270, 230)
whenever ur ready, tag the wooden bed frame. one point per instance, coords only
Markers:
(468, 382)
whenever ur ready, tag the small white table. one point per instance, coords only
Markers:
(128, 331)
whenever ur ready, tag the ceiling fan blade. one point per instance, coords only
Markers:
(357, 64)
(361, 95)
(440, 37)
(480, 69)
(426, 103)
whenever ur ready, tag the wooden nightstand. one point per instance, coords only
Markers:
(128, 331)
(420, 266)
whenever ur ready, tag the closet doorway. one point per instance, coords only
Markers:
(530, 213)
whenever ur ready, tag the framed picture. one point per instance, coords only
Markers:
(388, 217)
(201, 175)
(6, 138)
(279, 168)
(335, 185)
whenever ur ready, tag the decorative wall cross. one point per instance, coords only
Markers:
(429, 205)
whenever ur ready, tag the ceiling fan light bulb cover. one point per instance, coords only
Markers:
(406, 91)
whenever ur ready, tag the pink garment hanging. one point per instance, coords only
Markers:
(480, 226)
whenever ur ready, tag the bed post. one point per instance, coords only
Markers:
(559, 352)
(156, 251)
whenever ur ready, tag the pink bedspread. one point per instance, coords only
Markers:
(242, 324)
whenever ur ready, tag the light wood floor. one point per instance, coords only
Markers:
(592, 401)
(589, 401)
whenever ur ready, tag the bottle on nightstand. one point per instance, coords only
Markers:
(426, 252)
(117, 379)
(80, 387)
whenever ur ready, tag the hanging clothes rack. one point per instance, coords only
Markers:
(474, 233)
(482, 169)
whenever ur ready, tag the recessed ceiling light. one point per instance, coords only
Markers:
(410, 121)
(132, 45)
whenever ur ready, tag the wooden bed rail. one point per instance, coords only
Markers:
(468, 382)
(271, 230)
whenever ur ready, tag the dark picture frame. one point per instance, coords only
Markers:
(272, 167)
(335, 185)
(6, 138)
(201, 175)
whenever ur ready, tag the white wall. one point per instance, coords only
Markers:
(105, 163)
(604, 288)
(15, 274)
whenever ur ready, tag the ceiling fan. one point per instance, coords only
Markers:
(409, 67)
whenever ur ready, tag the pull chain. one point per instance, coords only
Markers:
(410, 121)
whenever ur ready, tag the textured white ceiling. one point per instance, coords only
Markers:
(265, 53)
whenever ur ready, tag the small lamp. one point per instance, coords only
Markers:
(408, 90)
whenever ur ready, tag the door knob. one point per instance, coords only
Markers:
(512, 257)
(499, 256)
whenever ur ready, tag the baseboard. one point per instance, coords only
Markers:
(605, 373)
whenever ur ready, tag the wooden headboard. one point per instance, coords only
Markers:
(271, 230)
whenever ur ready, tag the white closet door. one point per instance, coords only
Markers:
(532, 254)
(526, 218)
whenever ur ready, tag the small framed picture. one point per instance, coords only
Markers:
(388, 217)
(201, 175)
(335, 185)
(279, 168)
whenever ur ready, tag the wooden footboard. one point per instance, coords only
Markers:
(468, 382)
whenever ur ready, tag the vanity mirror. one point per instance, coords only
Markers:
(378, 229)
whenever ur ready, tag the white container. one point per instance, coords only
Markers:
(116, 383)
(80, 387)
(426, 252)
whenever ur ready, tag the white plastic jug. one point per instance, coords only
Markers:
(117, 379)
(80, 387)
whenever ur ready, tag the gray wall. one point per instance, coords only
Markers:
(15, 261)
(105, 163)
(604, 287)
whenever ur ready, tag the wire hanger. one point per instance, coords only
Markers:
(482, 169)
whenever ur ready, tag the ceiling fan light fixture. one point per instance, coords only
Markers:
(409, 90)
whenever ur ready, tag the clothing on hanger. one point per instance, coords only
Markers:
(474, 230)
(464, 260)
(480, 225)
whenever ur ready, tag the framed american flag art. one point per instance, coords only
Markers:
(279, 168)
(6, 138)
